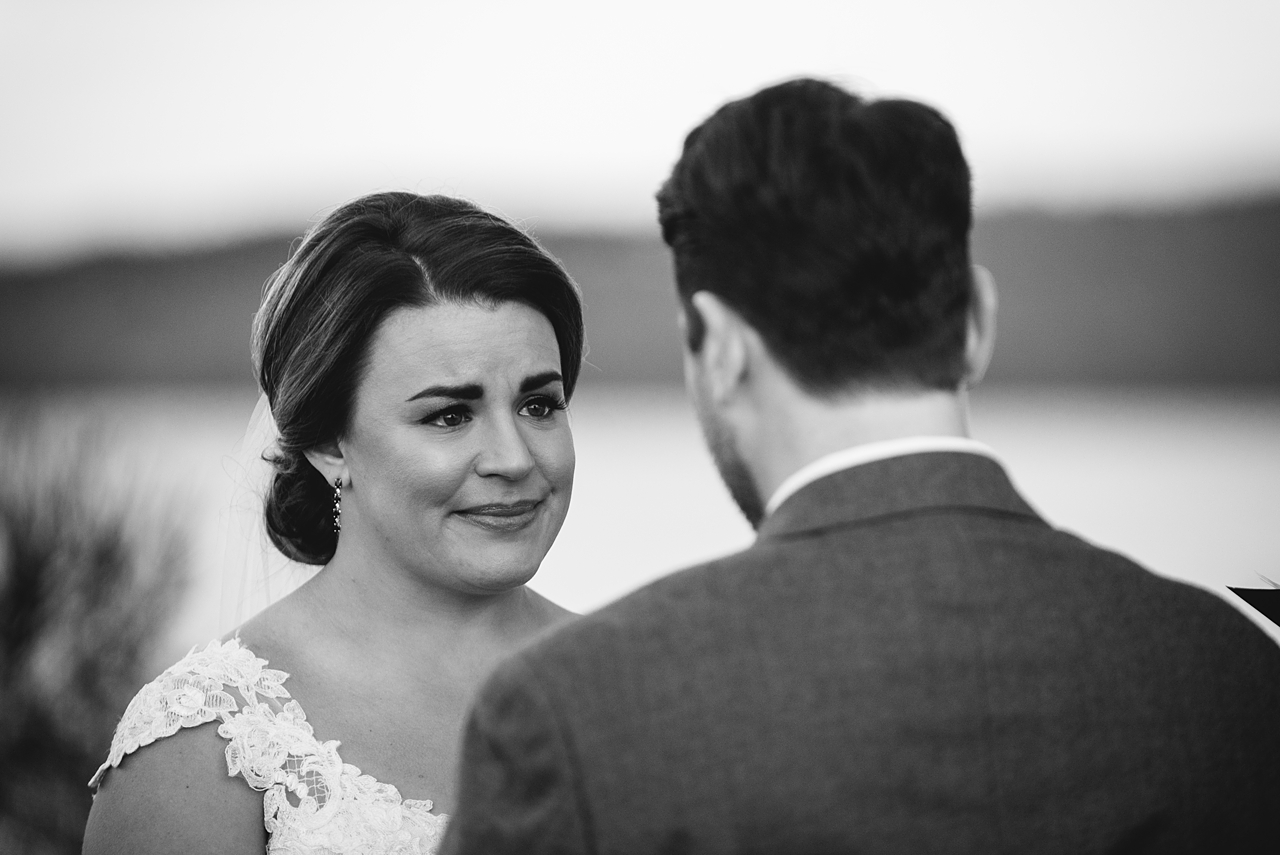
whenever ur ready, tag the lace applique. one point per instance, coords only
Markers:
(312, 801)
(191, 693)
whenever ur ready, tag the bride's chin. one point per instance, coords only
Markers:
(500, 573)
(492, 581)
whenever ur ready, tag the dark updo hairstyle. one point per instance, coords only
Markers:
(320, 310)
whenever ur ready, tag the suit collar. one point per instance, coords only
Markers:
(935, 479)
(868, 452)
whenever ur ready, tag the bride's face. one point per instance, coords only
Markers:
(459, 452)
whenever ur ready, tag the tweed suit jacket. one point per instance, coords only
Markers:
(907, 660)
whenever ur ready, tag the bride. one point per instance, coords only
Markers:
(417, 354)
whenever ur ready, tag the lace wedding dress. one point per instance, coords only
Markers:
(312, 801)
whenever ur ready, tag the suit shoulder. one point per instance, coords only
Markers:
(1167, 604)
(653, 614)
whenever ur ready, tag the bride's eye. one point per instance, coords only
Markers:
(543, 406)
(450, 417)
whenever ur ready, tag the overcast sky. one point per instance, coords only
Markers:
(142, 123)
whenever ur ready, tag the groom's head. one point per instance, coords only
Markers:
(835, 228)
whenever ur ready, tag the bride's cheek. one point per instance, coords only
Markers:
(557, 459)
(437, 480)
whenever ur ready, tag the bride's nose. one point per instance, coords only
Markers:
(504, 452)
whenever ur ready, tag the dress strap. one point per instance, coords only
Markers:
(201, 687)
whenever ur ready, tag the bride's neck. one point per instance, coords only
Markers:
(397, 614)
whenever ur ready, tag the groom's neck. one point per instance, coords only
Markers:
(794, 428)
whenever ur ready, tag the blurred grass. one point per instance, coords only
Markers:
(92, 561)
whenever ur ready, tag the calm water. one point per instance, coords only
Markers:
(1185, 482)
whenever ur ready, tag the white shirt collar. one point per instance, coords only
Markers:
(867, 453)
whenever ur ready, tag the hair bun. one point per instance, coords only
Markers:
(299, 511)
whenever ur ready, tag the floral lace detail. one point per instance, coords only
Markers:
(312, 801)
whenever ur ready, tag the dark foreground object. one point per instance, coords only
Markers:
(1265, 600)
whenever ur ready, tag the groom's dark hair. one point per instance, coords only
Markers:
(838, 227)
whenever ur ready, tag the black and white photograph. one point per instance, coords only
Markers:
(511, 428)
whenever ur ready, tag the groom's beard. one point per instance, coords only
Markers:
(733, 469)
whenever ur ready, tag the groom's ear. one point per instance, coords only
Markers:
(690, 325)
(327, 459)
(723, 355)
(980, 335)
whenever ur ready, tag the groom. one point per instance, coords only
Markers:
(908, 659)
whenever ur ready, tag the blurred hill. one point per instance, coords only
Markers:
(1143, 297)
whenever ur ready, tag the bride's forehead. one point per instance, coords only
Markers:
(462, 341)
(460, 324)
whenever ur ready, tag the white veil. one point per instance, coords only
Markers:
(255, 573)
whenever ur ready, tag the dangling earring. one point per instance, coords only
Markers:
(337, 506)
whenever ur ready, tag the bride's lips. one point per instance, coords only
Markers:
(502, 516)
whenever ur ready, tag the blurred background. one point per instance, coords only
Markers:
(157, 161)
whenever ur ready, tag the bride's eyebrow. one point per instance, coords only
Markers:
(466, 392)
(537, 381)
(474, 391)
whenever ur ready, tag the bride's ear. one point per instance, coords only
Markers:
(328, 461)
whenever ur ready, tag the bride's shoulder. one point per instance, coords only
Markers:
(175, 796)
(168, 763)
